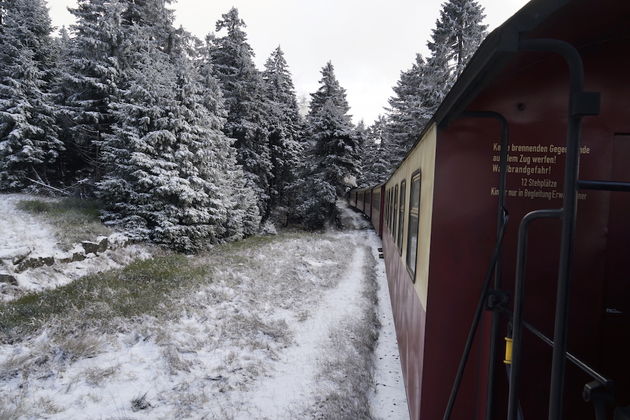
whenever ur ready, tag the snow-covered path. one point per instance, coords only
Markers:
(388, 400)
(294, 381)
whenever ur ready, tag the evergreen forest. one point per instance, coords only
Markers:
(184, 141)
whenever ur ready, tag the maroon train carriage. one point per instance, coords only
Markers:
(510, 218)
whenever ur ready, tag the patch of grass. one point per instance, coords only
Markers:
(75, 348)
(88, 208)
(75, 219)
(246, 244)
(142, 288)
(95, 376)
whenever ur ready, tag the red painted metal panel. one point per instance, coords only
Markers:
(382, 216)
(534, 100)
(375, 213)
(409, 318)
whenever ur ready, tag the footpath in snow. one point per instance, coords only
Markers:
(287, 327)
(388, 399)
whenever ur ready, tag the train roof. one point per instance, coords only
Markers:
(572, 20)
(492, 56)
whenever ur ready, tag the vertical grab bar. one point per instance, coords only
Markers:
(501, 220)
(580, 104)
(519, 290)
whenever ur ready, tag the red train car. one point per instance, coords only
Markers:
(510, 217)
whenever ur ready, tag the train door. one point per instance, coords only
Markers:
(616, 311)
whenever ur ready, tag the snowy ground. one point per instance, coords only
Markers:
(282, 328)
(22, 230)
(22, 233)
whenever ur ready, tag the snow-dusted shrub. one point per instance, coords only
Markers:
(268, 228)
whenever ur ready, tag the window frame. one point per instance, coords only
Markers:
(413, 274)
(395, 215)
(386, 214)
(391, 210)
(401, 216)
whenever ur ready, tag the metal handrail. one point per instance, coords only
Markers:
(580, 104)
(495, 271)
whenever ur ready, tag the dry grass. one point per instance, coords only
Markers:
(104, 301)
(96, 376)
(75, 220)
(77, 347)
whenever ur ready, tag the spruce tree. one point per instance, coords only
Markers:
(284, 125)
(29, 142)
(239, 199)
(417, 95)
(456, 36)
(421, 89)
(333, 163)
(170, 171)
(374, 159)
(93, 76)
(329, 91)
(232, 62)
(141, 172)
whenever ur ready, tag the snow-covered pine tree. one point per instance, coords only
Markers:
(230, 205)
(139, 153)
(29, 142)
(417, 95)
(375, 163)
(285, 127)
(362, 132)
(421, 89)
(171, 175)
(456, 36)
(92, 76)
(241, 83)
(333, 163)
(329, 91)
(243, 217)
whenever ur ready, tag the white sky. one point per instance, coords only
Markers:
(369, 41)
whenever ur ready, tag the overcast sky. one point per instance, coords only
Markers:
(368, 41)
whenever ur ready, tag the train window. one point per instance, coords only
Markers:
(401, 214)
(412, 228)
(395, 215)
(387, 207)
(391, 209)
(377, 200)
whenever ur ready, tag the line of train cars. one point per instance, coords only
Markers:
(506, 228)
